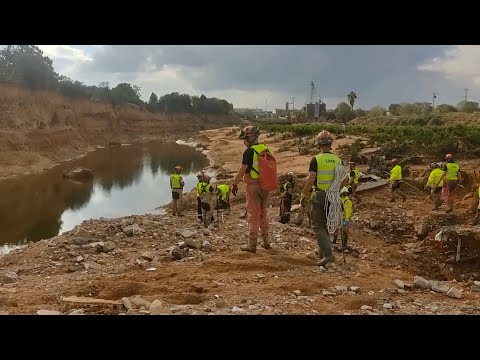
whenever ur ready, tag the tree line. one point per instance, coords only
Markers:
(27, 66)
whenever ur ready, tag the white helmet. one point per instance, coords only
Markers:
(344, 190)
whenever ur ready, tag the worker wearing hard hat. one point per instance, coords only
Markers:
(433, 180)
(345, 193)
(177, 184)
(353, 180)
(396, 180)
(453, 177)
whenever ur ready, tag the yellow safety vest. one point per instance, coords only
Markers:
(396, 173)
(258, 148)
(347, 207)
(326, 164)
(200, 186)
(452, 171)
(175, 179)
(224, 189)
(355, 181)
(435, 175)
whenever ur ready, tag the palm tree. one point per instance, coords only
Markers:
(351, 98)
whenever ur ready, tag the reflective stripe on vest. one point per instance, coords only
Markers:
(326, 164)
(452, 171)
(175, 179)
(356, 176)
(258, 148)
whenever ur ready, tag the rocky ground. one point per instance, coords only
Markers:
(153, 264)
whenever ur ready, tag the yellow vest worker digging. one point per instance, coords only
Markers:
(434, 177)
(224, 189)
(347, 207)
(396, 173)
(326, 164)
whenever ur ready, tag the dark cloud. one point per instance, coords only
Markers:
(380, 74)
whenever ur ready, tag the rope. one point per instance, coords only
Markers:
(334, 202)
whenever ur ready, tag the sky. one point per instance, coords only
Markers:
(259, 76)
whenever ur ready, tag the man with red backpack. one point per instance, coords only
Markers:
(258, 171)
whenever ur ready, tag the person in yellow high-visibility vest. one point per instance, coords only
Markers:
(453, 177)
(200, 188)
(347, 215)
(223, 197)
(396, 180)
(432, 182)
(177, 184)
(353, 180)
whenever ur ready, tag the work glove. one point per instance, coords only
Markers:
(234, 190)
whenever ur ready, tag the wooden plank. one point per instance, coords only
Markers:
(89, 301)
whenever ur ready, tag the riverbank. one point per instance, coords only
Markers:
(154, 264)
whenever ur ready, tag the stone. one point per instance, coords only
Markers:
(81, 241)
(4, 313)
(77, 312)
(366, 307)
(48, 312)
(421, 282)
(127, 222)
(177, 254)
(127, 303)
(132, 230)
(261, 276)
(355, 288)
(151, 269)
(410, 213)
(10, 277)
(221, 304)
(148, 256)
(192, 243)
(439, 286)
(475, 288)
(399, 284)
(402, 291)
(79, 258)
(328, 293)
(476, 283)
(73, 268)
(297, 292)
(341, 288)
(155, 305)
(206, 246)
(140, 302)
(108, 246)
(182, 245)
(455, 293)
(388, 306)
(207, 232)
(92, 265)
(187, 234)
(237, 309)
(467, 308)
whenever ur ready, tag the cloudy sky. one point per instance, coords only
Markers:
(250, 76)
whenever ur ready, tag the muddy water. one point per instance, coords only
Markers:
(128, 180)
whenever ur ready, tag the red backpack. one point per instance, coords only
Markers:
(267, 168)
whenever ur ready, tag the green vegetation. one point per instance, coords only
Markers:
(430, 139)
(27, 66)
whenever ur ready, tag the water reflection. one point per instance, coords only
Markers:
(128, 180)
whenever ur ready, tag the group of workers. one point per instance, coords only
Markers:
(315, 203)
(206, 196)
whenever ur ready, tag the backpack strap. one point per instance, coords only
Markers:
(256, 152)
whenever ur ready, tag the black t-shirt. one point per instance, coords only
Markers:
(313, 164)
(248, 159)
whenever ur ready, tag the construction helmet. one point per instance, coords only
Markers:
(200, 176)
(344, 190)
(434, 165)
(178, 168)
(448, 156)
(324, 138)
(394, 161)
(290, 175)
(250, 132)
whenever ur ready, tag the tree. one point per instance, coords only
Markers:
(467, 106)
(125, 93)
(394, 109)
(377, 111)
(343, 112)
(351, 98)
(360, 113)
(445, 108)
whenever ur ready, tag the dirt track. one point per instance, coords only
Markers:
(221, 279)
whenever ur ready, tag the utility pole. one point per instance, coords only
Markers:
(266, 102)
(293, 103)
(433, 101)
(466, 91)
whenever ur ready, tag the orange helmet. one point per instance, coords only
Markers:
(324, 137)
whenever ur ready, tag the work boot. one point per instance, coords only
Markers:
(251, 246)
(326, 260)
(266, 242)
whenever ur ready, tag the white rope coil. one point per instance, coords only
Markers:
(334, 202)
